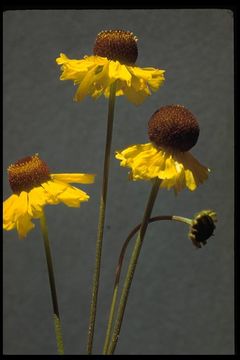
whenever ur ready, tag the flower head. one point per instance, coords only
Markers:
(173, 130)
(34, 187)
(114, 55)
(202, 228)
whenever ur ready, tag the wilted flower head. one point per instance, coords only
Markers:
(202, 228)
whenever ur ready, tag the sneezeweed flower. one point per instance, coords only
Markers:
(173, 130)
(34, 187)
(114, 55)
(202, 227)
(110, 71)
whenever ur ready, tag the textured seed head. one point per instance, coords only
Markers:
(117, 45)
(27, 173)
(202, 228)
(174, 127)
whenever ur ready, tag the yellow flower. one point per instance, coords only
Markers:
(33, 188)
(173, 130)
(115, 53)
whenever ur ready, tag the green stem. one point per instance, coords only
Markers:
(110, 319)
(132, 266)
(56, 316)
(101, 220)
(117, 279)
(119, 268)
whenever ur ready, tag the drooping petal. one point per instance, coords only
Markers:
(176, 170)
(85, 84)
(9, 207)
(53, 189)
(72, 196)
(155, 82)
(37, 199)
(195, 172)
(15, 214)
(152, 77)
(72, 69)
(136, 95)
(95, 74)
(24, 225)
(75, 178)
(118, 71)
(63, 192)
(22, 204)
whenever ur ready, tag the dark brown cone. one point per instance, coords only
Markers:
(117, 45)
(27, 173)
(174, 127)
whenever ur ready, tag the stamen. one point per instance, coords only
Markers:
(117, 45)
(27, 173)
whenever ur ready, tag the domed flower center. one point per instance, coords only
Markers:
(27, 173)
(117, 45)
(173, 127)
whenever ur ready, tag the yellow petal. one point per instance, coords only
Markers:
(75, 178)
(190, 181)
(155, 83)
(9, 212)
(199, 172)
(63, 58)
(176, 170)
(73, 69)
(24, 225)
(119, 71)
(63, 192)
(85, 84)
(100, 80)
(136, 96)
(95, 74)
(37, 199)
(53, 189)
(21, 205)
(151, 76)
(15, 214)
(140, 73)
(72, 196)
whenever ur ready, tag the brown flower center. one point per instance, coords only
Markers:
(202, 228)
(27, 173)
(117, 45)
(174, 127)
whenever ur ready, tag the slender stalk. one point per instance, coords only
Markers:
(182, 219)
(117, 279)
(132, 266)
(119, 268)
(110, 319)
(56, 316)
(101, 220)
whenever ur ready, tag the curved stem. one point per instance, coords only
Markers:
(56, 316)
(101, 220)
(119, 268)
(132, 265)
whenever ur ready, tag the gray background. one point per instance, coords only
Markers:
(181, 301)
